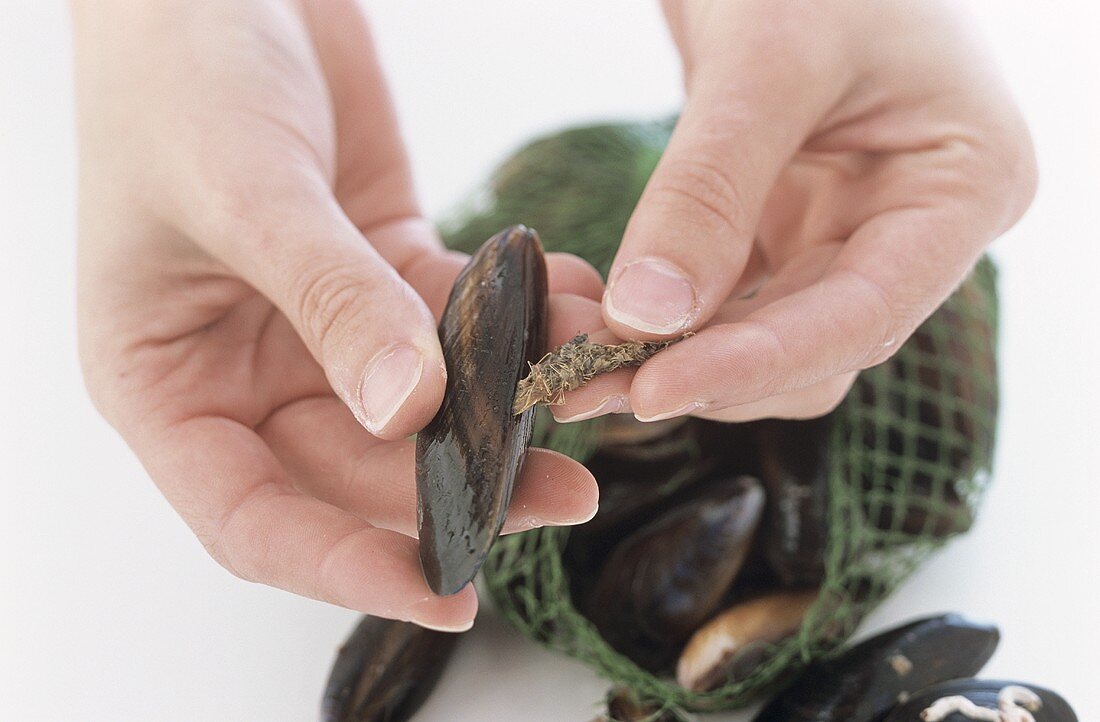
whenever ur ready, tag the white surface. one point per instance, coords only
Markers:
(109, 609)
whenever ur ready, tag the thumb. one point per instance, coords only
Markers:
(368, 329)
(691, 235)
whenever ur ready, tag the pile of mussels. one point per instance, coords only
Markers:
(706, 552)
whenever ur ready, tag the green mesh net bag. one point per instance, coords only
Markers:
(908, 451)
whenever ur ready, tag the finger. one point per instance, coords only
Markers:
(374, 180)
(802, 270)
(281, 198)
(232, 491)
(893, 272)
(573, 275)
(368, 329)
(690, 237)
(605, 394)
(610, 393)
(807, 403)
(433, 274)
(332, 458)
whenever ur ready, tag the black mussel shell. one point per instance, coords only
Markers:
(384, 671)
(983, 693)
(468, 457)
(952, 414)
(626, 434)
(623, 705)
(638, 482)
(868, 679)
(668, 577)
(794, 467)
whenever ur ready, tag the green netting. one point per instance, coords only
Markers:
(909, 454)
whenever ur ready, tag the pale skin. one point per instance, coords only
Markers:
(259, 289)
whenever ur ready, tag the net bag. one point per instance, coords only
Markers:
(908, 452)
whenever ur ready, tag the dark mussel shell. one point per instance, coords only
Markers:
(865, 681)
(384, 671)
(668, 577)
(468, 457)
(626, 434)
(623, 705)
(984, 693)
(674, 460)
(794, 467)
(729, 647)
(638, 480)
(946, 432)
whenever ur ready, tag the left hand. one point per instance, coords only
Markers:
(257, 292)
(835, 173)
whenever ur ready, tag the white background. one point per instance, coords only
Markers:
(110, 610)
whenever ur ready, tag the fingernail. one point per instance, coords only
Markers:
(610, 405)
(685, 409)
(652, 295)
(464, 626)
(541, 521)
(427, 619)
(390, 378)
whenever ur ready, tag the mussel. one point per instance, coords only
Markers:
(468, 457)
(943, 429)
(668, 577)
(384, 671)
(967, 700)
(728, 647)
(638, 481)
(664, 464)
(626, 433)
(865, 681)
(795, 470)
(624, 705)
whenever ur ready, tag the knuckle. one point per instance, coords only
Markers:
(327, 301)
(822, 406)
(334, 564)
(703, 192)
(98, 391)
(887, 325)
(829, 396)
(999, 170)
(756, 368)
(244, 552)
(1022, 173)
(880, 354)
(223, 554)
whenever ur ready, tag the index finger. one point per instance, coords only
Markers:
(890, 276)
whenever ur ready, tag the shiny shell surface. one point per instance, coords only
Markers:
(623, 705)
(667, 578)
(384, 671)
(794, 467)
(468, 457)
(638, 482)
(866, 680)
(728, 647)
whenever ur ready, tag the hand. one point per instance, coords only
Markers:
(837, 169)
(235, 159)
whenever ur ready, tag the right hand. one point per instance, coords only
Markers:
(235, 160)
